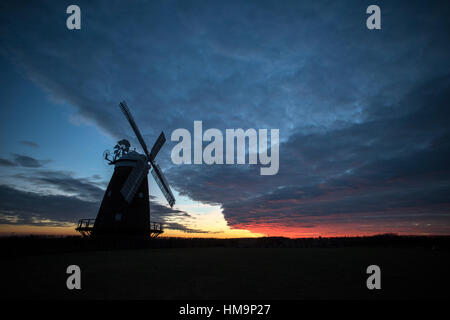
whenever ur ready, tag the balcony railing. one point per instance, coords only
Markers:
(86, 223)
(155, 226)
(85, 227)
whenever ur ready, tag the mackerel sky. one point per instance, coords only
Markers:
(363, 114)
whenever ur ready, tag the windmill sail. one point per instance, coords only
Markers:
(134, 180)
(162, 184)
(130, 119)
(157, 146)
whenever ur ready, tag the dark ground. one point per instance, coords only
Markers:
(240, 270)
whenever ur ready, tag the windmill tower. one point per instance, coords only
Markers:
(125, 208)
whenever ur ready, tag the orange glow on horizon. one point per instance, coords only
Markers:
(25, 230)
(338, 230)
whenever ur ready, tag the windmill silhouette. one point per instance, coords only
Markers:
(125, 208)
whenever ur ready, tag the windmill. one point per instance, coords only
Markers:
(125, 208)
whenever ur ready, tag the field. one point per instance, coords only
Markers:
(231, 273)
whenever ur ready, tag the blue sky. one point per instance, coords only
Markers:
(362, 114)
(35, 117)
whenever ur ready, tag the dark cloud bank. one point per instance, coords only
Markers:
(81, 200)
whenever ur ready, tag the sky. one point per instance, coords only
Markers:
(362, 114)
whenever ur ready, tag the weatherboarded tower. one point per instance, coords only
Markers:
(118, 217)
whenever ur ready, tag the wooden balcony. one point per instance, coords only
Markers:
(85, 227)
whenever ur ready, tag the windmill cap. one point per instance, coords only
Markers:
(130, 158)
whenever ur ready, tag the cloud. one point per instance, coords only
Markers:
(21, 207)
(64, 199)
(62, 181)
(23, 161)
(29, 162)
(184, 228)
(173, 218)
(29, 143)
(394, 168)
(202, 68)
(7, 163)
